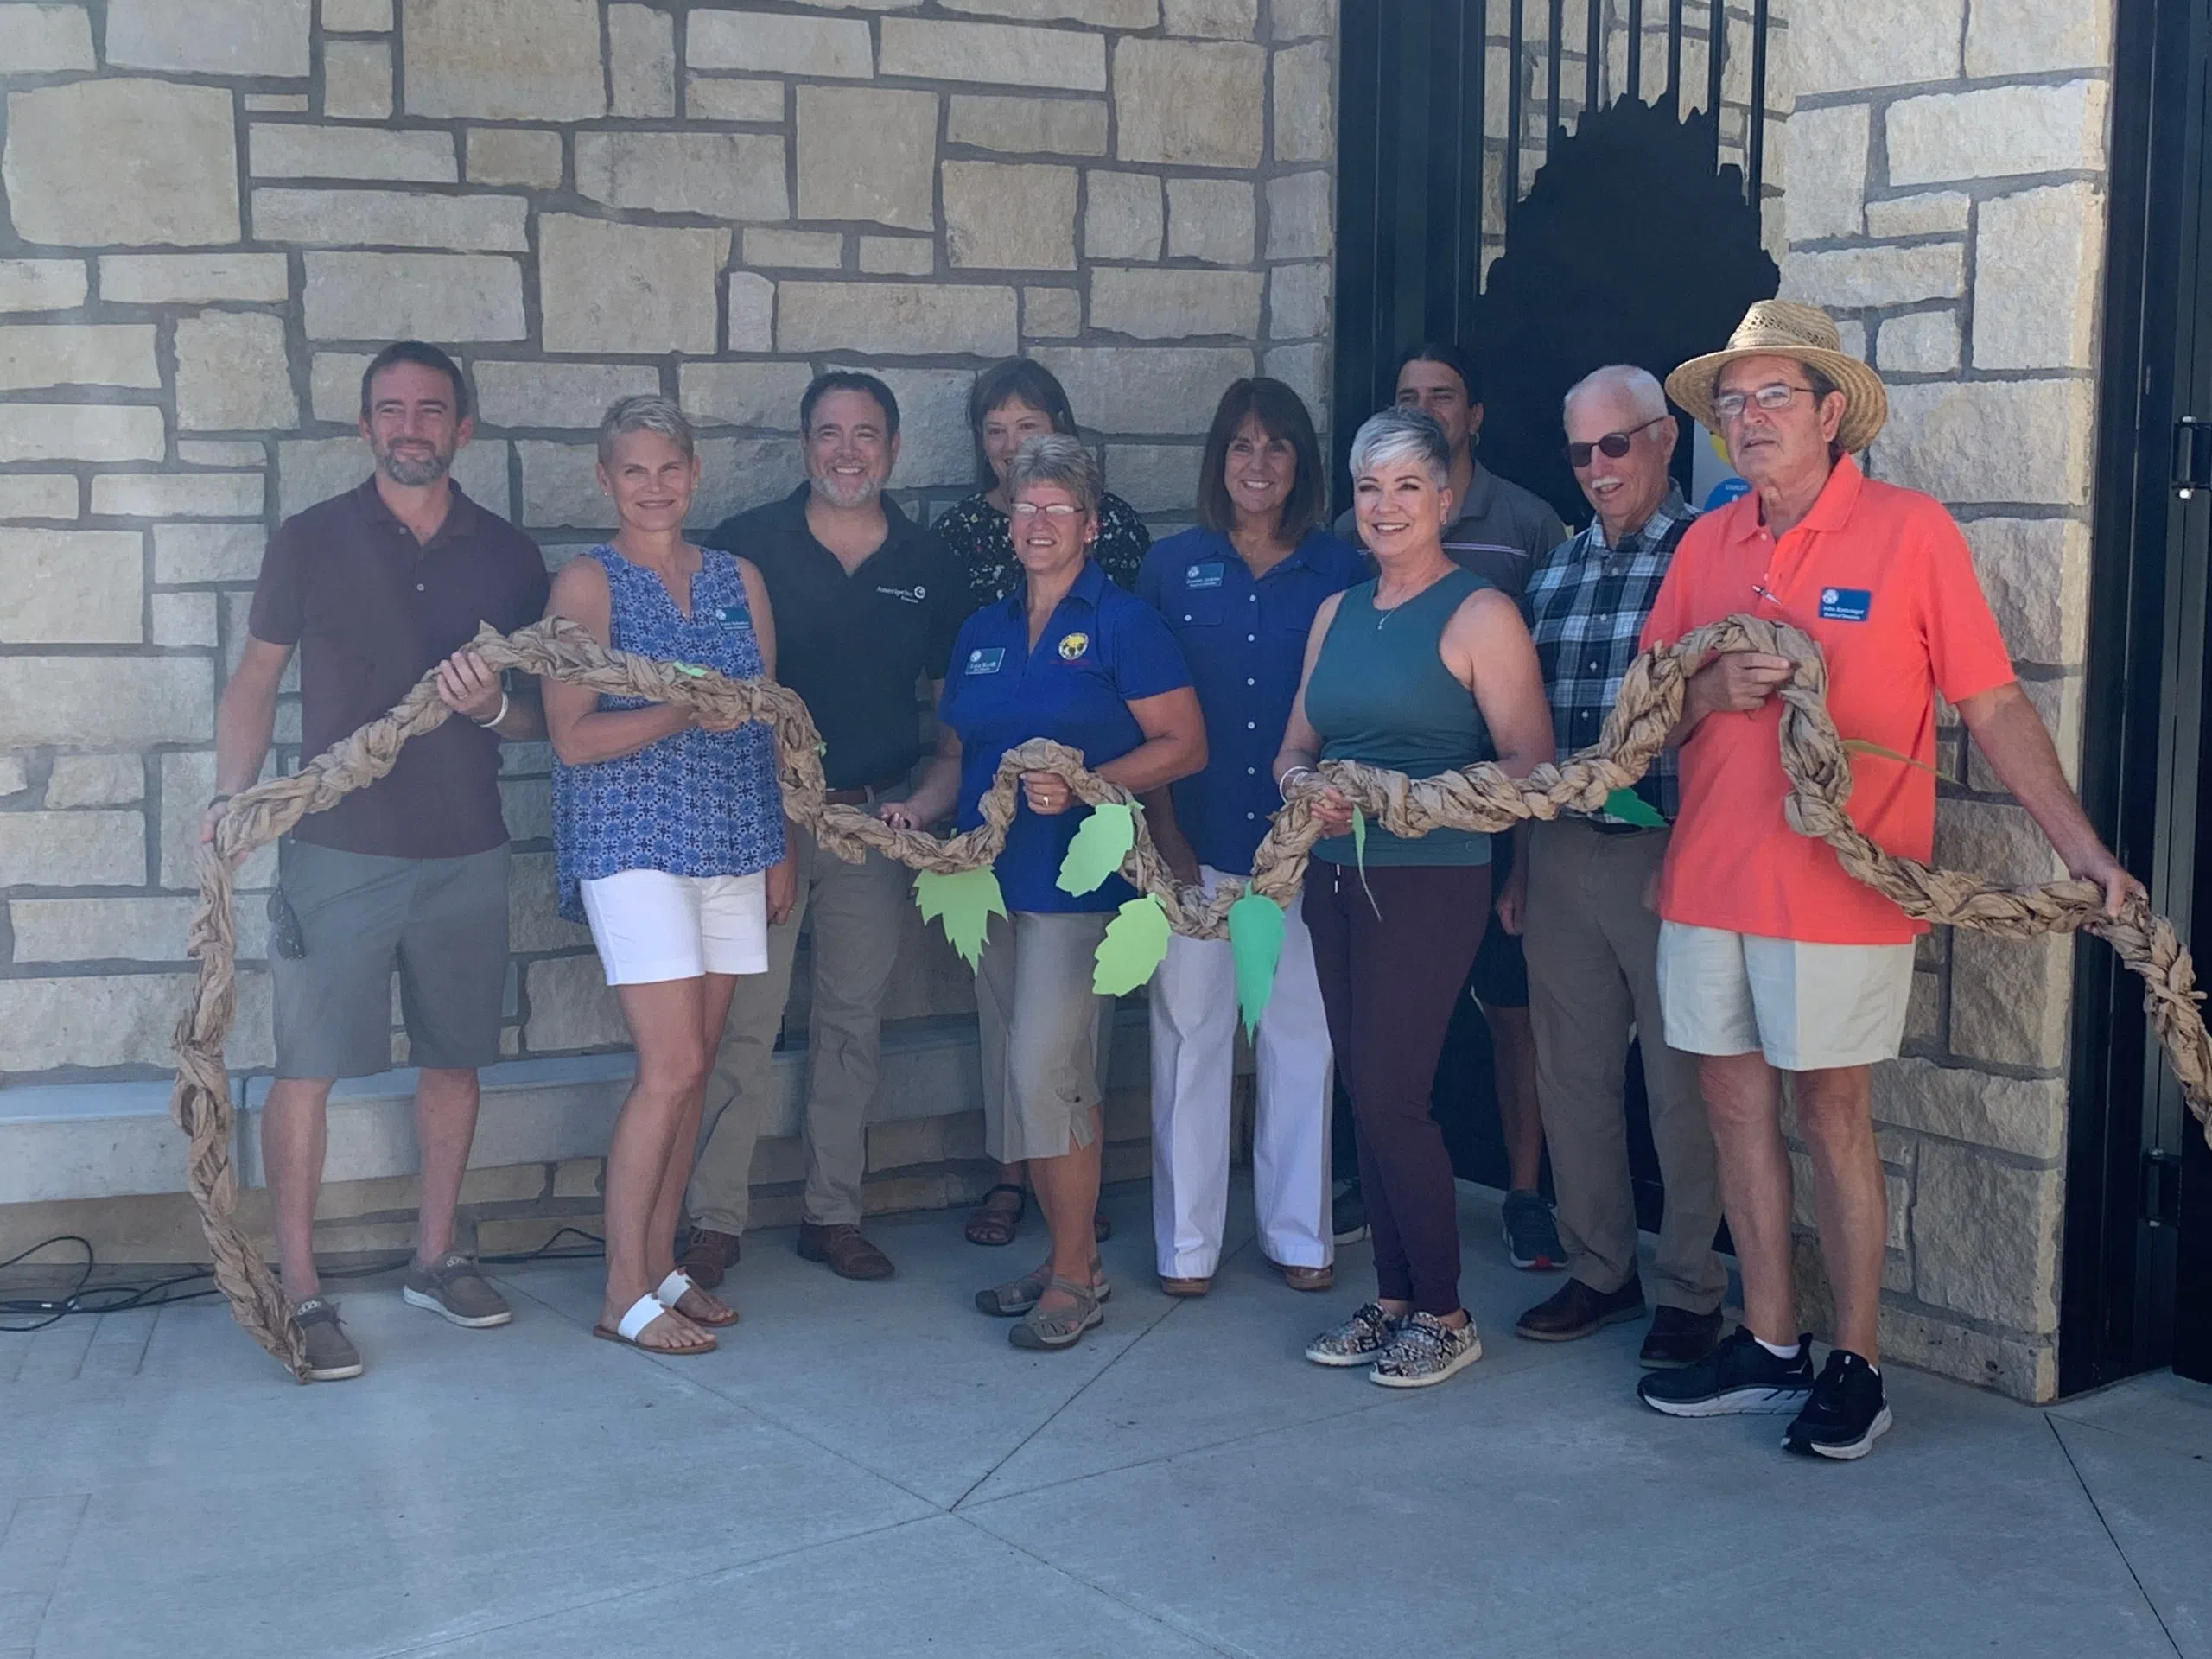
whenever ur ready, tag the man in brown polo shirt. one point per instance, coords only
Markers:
(374, 588)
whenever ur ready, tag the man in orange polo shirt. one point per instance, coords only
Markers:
(1772, 958)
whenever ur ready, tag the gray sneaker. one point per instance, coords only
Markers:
(454, 1288)
(332, 1358)
(1426, 1352)
(1358, 1340)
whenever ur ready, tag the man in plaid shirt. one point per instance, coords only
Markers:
(1580, 896)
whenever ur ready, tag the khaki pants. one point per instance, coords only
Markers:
(1594, 949)
(857, 913)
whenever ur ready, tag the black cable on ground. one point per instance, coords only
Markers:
(85, 1297)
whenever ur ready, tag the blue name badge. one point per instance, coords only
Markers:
(1208, 575)
(1845, 604)
(732, 616)
(986, 659)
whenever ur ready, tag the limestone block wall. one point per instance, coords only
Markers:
(1946, 202)
(214, 212)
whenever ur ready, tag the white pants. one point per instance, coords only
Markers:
(1193, 1054)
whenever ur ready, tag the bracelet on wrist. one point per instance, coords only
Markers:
(505, 703)
(1282, 783)
(219, 797)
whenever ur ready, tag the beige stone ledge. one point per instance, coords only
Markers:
(999, 55)
(2025, 1116)
(504, 60)
(1992, 440)
(525, 155)
(1009, 215)
(1844, 45)
(177, 495)
(1056, 126)
(1997, 133)
(1985, 1237)
(197, 553)
(192, 278)
(1212, 220)
(766, 43)
(42, 284)
(724, 175)
(2038, 255)
(896, 319)
(297, 149)
(2030, 37)
(1189, 104)
(211, 37)
(92, 432)
(712, 97)
(71, 587)
(38, 495)
(2035, 574)
(1175, 304)
(182, 190)
(36, 356)
(46, 40)
(640, 61)
(356, 80)
(446, 296)
(402, 219)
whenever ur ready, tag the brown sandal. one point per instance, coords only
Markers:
(989, 1223)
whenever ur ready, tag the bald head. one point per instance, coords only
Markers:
(1622, 408)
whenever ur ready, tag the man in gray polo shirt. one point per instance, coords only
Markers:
(374, 588)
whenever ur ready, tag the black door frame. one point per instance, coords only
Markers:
(2136, 1287)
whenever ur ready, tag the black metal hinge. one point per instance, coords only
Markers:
(2162, 1187)
(2192, 468)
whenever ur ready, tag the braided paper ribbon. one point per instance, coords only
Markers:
(1478, 799)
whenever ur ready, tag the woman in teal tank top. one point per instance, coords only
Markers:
(1426, 669)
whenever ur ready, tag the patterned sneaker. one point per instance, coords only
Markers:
(454, 1287)
(1845, 1413)
(1532, 1234)
(1426, 1351)
(1738, 1378)
(1358, 1340)
(331, 1357)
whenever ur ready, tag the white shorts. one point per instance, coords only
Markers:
(1807, 1007)
(650, 925)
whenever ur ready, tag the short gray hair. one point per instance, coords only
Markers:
(1645, 395)
(1402, 432)
(1055, 458)
(645, 414)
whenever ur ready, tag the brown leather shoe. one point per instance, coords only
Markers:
(1305, 1278)
(1574, 1310)
(1679, 1337)
(843, 1245)
(708, 1255)
(1184, 1286)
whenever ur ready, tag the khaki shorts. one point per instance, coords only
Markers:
(1043, 1032)
(441, 922)
(1807, 1007)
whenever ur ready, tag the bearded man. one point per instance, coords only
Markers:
(374, 588)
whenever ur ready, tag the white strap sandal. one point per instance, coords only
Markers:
(642, 1313)
(671, 1289)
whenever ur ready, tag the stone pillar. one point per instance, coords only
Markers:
(1953, 224)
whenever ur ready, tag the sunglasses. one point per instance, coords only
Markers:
(1614, 444)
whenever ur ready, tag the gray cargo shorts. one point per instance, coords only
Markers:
(442, 923)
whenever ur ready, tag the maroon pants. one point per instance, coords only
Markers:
(1389, 982)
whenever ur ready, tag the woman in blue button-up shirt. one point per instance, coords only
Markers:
(1070, 657)
(1240, 593)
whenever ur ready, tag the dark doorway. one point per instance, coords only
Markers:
(1556, 184)
(2137, 1291)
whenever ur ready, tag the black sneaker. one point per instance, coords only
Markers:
(1532, 1234)
(1738, 1378)
(1846, 1412)
(1348, 1215)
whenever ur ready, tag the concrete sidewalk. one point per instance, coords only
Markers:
(869, 1470)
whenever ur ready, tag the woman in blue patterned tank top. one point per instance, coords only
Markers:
(668, 836)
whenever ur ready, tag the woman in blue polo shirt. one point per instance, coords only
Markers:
(1070, 657)
(1239, 594)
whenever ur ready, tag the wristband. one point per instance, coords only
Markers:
(1282, 783)
(217, 799)
(488, 724)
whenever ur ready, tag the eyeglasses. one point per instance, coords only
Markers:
(1613, 443)
(1058, 512)
(1729, 405)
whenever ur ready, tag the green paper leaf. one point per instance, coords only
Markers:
(1135, 943)
(1631, 808)
(1359, 858)
(1100, 844)
(691, 669)
(1256, 925)
(963, 904)
(1862, 746)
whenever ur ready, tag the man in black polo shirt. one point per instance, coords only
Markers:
(374, 588)
(867, 603)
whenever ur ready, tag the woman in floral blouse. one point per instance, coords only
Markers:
(1015, 401)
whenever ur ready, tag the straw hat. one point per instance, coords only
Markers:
(1784, 328)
